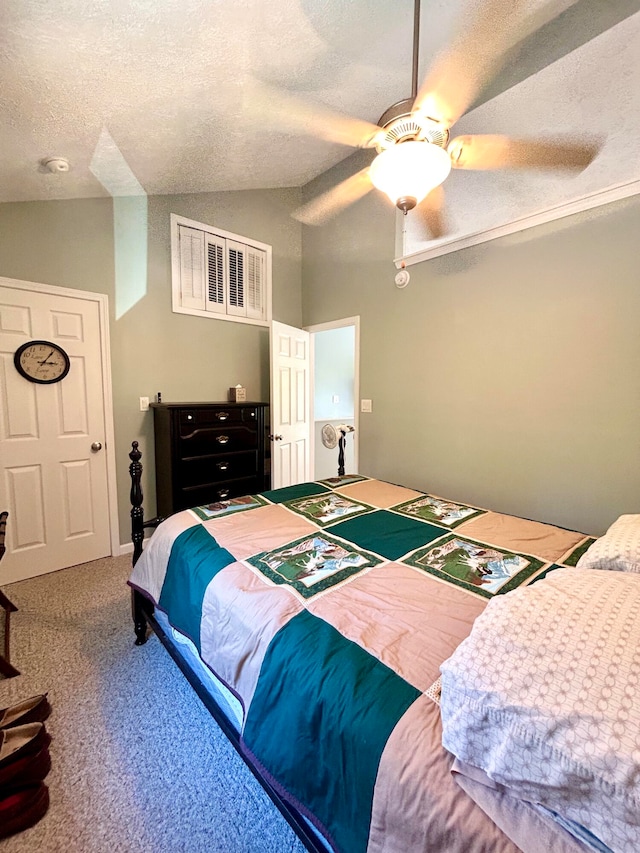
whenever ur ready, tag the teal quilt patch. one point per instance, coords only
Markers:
(543, 574)
(387, 533)
(195, 559)
(315, 689)
(280, 496)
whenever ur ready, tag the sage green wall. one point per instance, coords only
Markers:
(71, 244)
(507, 374)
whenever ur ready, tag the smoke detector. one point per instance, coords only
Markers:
(402, 278)
(55, 165)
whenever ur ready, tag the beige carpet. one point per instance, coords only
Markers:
(139, 766)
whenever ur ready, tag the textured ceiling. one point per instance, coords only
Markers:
(151, 95)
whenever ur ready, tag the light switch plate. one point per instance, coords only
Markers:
(144, 404)
(365, 406)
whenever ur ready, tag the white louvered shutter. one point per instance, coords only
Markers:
(255, 285)
(191, 267)
(216, 274)
(236, 303)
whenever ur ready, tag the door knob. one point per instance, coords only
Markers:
(275, 438)
(96, 446)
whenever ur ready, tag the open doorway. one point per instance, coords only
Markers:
(335, 348)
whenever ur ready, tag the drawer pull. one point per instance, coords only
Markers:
(222, 416)
(222, 439)
(223, 493)
(222, 466)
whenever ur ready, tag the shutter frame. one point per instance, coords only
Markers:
(191, 254)
(203, 259)
(255, 286)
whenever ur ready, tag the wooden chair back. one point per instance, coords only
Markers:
(6, 669)
(3, 532)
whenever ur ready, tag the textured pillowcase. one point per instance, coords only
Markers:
(618, 550)
(544, 698)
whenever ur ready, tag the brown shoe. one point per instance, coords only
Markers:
(18, 744)
(33, 710)
(23, 808)
(26, 771)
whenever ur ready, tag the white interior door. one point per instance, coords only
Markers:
(53, 464)
(290, 406)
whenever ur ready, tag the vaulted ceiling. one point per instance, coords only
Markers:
(157, 96)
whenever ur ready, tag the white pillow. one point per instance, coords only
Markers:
(544, 698)
(618, 550)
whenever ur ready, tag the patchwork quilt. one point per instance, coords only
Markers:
(327, 608)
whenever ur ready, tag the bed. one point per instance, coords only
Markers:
(327, 626)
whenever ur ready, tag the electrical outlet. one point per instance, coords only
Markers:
(365, 406)
(144, 404)
(335, 398)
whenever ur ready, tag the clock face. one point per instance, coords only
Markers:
(42, 362)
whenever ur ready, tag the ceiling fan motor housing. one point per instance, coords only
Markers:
(401, 125)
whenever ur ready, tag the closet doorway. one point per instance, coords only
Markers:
(57, 466)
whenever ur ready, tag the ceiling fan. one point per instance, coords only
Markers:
(412, 138)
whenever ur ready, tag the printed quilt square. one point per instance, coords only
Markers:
(438, 511)
(327, 508)
(234, 505)
(313, 564)
(480, 568)
(571, 559)
(344, 480)
(387, 533)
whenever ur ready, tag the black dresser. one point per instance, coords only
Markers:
(206, 452)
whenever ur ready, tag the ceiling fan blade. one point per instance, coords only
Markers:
(297, 115)
(501, 152)
(460, 72)
(430, 211)
(330, 203)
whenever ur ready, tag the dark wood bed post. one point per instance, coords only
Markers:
(135, 497)
(341, 443)
(140, 606)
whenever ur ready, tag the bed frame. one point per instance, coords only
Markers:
(144, 619)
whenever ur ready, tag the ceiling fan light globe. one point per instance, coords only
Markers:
(410, 170)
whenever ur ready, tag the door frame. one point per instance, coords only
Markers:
(325, 327)
(102, 301)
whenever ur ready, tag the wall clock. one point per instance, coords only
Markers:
(42, 362)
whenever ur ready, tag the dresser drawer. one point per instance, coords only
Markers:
(214, 469)
(208, 493)
(191, 420)
(207, 441)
